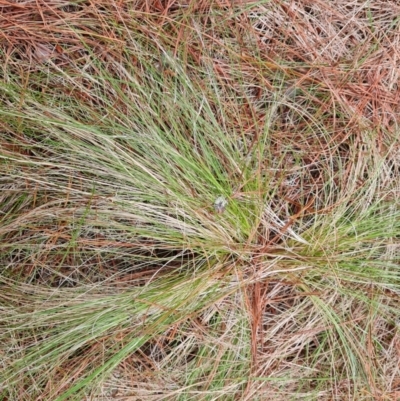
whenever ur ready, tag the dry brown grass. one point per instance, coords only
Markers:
(322, 79)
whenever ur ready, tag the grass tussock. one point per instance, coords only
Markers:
(199, 200)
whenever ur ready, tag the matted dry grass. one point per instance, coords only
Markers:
(121, 123)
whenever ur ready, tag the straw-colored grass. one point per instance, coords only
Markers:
(199, 200)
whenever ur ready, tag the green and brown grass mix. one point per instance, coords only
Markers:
(199, 200)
